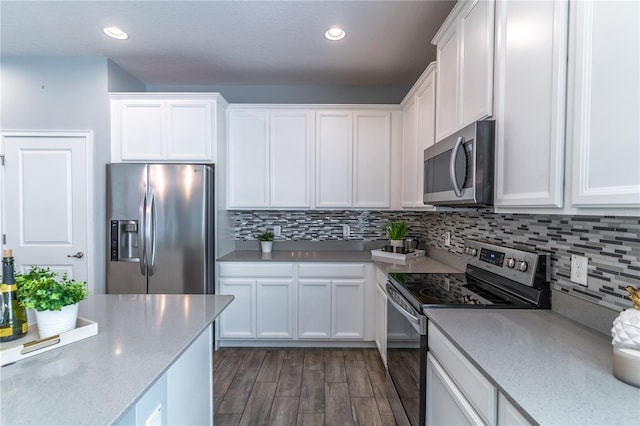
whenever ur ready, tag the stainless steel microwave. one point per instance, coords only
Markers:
(458, 170)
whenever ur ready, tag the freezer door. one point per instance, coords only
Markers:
(126, 184)
(181, 214)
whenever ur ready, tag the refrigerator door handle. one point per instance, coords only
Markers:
(142, 234)
(151, 222)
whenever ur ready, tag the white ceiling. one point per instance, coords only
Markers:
(235, 42)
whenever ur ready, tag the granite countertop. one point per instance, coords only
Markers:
(555, 370)
(95, 380)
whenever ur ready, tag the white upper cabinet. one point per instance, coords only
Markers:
(164, 127)
(531, 49)
(418, 134)
(248, 159)
(334, 148)
(604, 104)
(269, 158)
(464, 46)
(353, 159)
(371, 159)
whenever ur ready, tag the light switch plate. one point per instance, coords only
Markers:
(346, 231)
(277, 230)
(579, 266)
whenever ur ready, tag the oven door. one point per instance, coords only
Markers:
(406, 358)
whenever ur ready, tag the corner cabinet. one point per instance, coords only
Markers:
(464, 50)
(165, 126)
(418, 134)
(604, 104)
(269, 158)
(531, 51)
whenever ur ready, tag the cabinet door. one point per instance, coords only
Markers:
(238, 319)
(604, 105)
(409, 151)
(290, 143)
(446, 405)
(381, 322)
(426, 119)
(274, 301)
(447, 84)
(372, 159)
(347, 309)
(190, 130)
(314, 309)
(530, 134)
(334, 140)
(248, 159)
(142, 132)
(476, 62)
(508, 415)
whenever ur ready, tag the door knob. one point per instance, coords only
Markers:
(78, 255)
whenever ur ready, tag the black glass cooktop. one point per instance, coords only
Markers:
(453, 290)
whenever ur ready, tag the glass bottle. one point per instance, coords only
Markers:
(13, 318)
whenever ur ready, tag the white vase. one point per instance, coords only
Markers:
(51, 323)
(266, 246)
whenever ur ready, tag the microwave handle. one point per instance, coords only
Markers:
(452, 167)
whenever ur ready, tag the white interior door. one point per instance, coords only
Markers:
(44, 186)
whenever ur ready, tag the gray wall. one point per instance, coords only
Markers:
(66, 93)
(299, 94)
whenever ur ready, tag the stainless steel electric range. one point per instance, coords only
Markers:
(495, 277)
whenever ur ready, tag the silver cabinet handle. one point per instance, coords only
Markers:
(452, 167)
(78, 255)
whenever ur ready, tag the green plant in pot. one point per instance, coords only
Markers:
(266, 241)
(54, 300)
(396, 230)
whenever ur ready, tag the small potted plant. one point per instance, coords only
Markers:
(266, 241)
(396, 230)
(54, 300)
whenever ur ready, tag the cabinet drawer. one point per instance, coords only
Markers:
(255, 269)
(331, 270)
(480, 392)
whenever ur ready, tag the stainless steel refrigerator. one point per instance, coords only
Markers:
(160, 228)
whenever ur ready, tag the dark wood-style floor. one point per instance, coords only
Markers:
(296, 386)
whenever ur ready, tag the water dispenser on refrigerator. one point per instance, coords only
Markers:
(124, 241)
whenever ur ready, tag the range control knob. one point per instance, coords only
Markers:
(510, 262)
(522, 266)
(471, 251)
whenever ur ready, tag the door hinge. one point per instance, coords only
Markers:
(4, 239)
(1, 160)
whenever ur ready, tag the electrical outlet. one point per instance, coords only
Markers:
(277, 230)
(447, 238)
(579, 266)
(346, 231)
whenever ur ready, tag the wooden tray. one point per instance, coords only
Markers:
(31, 344)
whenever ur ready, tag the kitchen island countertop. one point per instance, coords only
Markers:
(96, 380)
(557, 371)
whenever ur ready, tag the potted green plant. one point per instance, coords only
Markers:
(54, 300)
(266, 241)
(396, 230)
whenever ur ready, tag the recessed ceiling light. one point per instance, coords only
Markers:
(116, 33)
(335, 34)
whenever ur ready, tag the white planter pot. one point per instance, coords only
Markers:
(396, 243)
(51, 323)
(266, 246)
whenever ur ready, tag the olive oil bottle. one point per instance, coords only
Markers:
(13, 321)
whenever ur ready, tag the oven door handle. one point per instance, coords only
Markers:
(417, 321)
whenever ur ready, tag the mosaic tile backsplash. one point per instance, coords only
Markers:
(612, 244)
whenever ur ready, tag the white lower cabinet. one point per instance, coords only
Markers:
(264, 300)
(446, 404)
(331, 300)
(508, 414)
(457, 393)
(381, 315)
